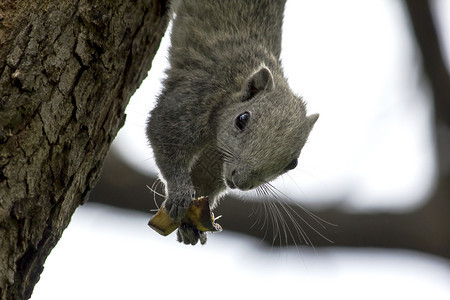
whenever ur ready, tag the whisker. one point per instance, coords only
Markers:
(297, 226)
(153, 190)
(316, 218)
(275, 223)
(286, 230)
(257, 212)
(309, 174)
(285, 219)
(227, 154)
(301, 233)
(270, 213)
(267, 214)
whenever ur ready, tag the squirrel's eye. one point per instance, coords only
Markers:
(242, 120)
(291, 165)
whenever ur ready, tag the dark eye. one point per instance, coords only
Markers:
(291, 165)
(242, 120)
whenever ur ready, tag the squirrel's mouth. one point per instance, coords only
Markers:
(230, 183)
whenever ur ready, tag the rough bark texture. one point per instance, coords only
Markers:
(67, 71)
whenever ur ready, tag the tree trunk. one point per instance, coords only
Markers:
(67, 71)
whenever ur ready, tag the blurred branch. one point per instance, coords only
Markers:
(427, 38)
(432, 58)
(424, 230)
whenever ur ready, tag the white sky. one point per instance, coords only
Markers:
(353, 62)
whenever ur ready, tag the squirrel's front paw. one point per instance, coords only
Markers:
(178, 205)
(189, 235)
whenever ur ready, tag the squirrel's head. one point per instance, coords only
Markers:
(261, 135)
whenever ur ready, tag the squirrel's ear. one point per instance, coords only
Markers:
(259, 81)
(312, 120)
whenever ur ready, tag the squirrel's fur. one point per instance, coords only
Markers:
(226, 115)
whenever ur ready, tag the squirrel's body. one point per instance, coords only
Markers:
(226, 116)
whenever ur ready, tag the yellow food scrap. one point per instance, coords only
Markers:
(199, 216)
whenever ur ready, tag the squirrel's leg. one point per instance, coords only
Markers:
(179, 188)
(174, 151)
(174, 162)
(175, 169)
(180, 193)
(177, 135)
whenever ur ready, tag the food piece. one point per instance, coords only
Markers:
(199, 216)
(162, 223)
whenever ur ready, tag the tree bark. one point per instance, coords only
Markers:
(67, 71)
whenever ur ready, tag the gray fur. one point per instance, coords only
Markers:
(224, 61)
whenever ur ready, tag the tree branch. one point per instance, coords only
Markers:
(424, 29)
(426, 229)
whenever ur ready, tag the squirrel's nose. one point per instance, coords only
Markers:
(241, 181)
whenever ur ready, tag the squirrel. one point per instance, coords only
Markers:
(226, 117)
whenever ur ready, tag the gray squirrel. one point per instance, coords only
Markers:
(226, 116)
